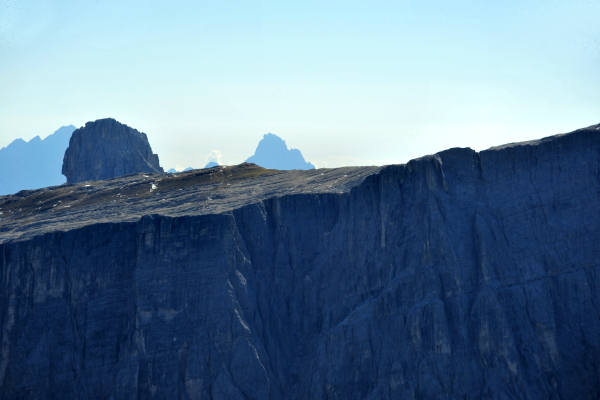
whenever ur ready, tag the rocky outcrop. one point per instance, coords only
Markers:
(457, 275)
(106, 149)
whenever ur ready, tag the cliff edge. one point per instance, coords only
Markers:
(457, 275)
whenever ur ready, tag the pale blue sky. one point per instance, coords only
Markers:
(346, 82)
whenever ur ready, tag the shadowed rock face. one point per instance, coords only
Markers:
(106, 149)
(457, 275)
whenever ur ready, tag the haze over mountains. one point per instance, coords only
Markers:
(34, 164)
(272, 152)
(37, 163)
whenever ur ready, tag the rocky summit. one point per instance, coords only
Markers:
(272, 152)
(105, 149)
(460, 275)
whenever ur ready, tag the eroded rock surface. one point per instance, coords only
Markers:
(106, 149)
(458, 275)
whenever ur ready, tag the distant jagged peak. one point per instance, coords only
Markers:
(61, 132)
(211, 164)
(272, 152)
(15, 143)
(35, 163)
(214, 159)
(175, 171)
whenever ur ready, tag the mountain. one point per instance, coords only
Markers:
(173, 170)
(273, 153)
(211, 164)
(34, 164)
(459, 275)
(105, 149)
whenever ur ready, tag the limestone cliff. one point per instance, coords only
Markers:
(458, 275)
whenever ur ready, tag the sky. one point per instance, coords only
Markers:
(347, 83)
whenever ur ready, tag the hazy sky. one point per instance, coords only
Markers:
(346, 82)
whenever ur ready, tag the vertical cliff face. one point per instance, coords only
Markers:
(106, 149)
(458, 275)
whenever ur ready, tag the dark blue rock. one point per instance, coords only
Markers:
(458, 275)
(105, 149)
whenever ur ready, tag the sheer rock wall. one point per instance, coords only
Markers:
(457, 275)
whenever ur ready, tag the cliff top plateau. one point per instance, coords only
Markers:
(220, 189)
(197, 192)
